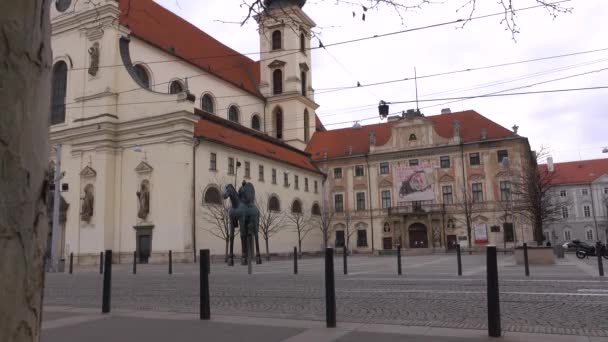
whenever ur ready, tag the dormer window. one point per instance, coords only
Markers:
(276, 40)
(412, 137)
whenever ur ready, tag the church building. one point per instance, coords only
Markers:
(152, 118)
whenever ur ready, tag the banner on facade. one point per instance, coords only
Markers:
(414, 183)
(481, 233)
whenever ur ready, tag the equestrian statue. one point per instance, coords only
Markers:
(245, 215)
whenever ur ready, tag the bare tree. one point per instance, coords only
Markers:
(25, 80)
(466, 206)
(507, 9)
(349, 230)
(270, 221)
(534, 195)
(324, 223)
(300, 224)
(218, 221)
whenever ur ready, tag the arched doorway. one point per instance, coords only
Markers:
(418, 236)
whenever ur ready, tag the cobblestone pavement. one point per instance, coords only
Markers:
(566, 298)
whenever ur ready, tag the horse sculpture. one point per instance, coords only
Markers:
(245, 215)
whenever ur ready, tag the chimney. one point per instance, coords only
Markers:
(484, 134)
(456, 126)
(372, 138)
(446, 111)
(350, 150)
(550, 166)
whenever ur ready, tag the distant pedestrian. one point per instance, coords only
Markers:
(548, 243)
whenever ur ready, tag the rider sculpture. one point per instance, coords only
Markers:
(245, 215)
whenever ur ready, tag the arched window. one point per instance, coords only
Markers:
(233, 114)
(59, 83)
(277, 82)
(303, 76)
(207, 103)
(296, 207)
(316, 210)
(589, 233)
(255, 122)
(276, 40)
(274, 204)
(212, 196)
(302, 42)
(567, 234)
(306, 126)
(176, 87)
(278, 122)
(142, 75)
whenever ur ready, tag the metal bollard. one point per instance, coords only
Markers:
(170, 262)
(134, 262)
(100, 262)
(459, 259)
(399, 259)
(107, 283)
(345, 256)
(526, 265)
(205, 310)
(494, 329)
(295, 260)
(71, 262)
(600, 262)
(330, 289)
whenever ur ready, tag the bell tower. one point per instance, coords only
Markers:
(285, 71)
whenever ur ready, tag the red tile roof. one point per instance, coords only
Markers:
(578, 172)
(336, 142)
(162, 28)
(222, 131)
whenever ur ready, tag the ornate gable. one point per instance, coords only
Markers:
(446, 179)
(385, 183)
(143, 167)
(88, 172)
(276, 64)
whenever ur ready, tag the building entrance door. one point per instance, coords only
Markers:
(451, 241)
(144, 246)
(418, 236)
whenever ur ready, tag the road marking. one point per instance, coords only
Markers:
(68, 321)
(475, 292)
(592, 290)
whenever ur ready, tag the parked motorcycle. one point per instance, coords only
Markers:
(584, 250)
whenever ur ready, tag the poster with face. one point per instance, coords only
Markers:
(414, 183)
(481, 233)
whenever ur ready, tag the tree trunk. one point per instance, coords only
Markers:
(299, 245)
(24, 124)
(226, 250)
(267, 253)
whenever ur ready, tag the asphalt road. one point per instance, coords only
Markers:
(567, 298)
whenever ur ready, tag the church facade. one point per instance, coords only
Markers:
(152, 125)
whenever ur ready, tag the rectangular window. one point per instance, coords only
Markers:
(274, 176)
(384, 170)
(445, 162)
(565, 214)
(339, 203)
(585, 192)
(305, 184)
(261, 173)
(509, 232)
(567, 235)
(562, 193)
(587, 211)
(386, 199)
(359, 171)
(230, 165)
(213, 162)
(360, 200)
(446, 190)
(361, 238)
(296, 182)
(285, 179)
(316, 187)
(338, 173)
(477, 192)
(502, 154)
(474, 159)
(505, 191)
(413, 162)
(339, 238)
(247, 169)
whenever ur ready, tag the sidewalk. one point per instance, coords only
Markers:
(66, 324)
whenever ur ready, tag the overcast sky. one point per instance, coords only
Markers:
(573, 124)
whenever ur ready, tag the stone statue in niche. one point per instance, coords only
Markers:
(143, 200)
(88, 202)
(94, 59)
